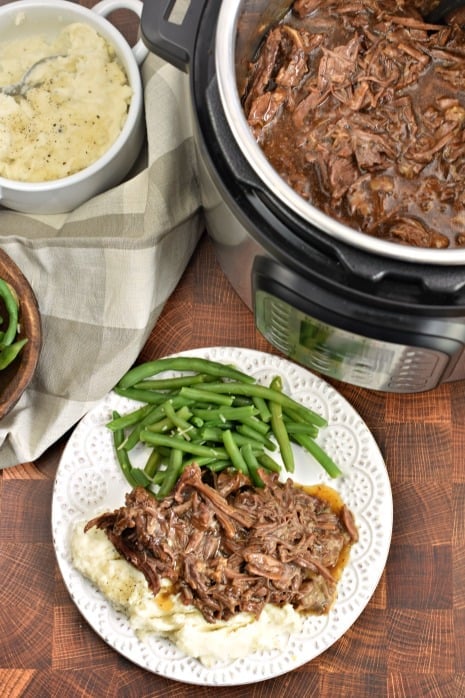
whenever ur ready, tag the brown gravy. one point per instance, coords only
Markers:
(336, 504)
(360, 107)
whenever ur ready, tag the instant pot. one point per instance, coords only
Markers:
(347, 305)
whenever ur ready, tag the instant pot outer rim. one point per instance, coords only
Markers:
(226, 78)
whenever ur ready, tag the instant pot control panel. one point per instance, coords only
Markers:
(336, 338)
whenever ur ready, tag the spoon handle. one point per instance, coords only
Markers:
(21, 87)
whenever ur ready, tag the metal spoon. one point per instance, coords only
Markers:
(443, 9)
(20, 88)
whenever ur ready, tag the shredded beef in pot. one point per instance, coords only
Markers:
(227, 546)
(360, 107)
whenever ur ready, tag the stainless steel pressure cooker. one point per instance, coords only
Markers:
(347, 305)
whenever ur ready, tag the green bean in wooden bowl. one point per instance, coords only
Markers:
(20, 333)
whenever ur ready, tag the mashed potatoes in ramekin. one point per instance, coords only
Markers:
(74, 110)
(165, 615)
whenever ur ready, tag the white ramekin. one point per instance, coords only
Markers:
(47, 17)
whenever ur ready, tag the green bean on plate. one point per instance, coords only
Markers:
(214, 415)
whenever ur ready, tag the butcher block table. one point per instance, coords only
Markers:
(408, 642)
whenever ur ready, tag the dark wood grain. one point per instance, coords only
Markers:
(408, 643)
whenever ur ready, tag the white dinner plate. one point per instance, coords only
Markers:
(89, 480)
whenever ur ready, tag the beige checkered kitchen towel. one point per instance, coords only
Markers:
(103, 273)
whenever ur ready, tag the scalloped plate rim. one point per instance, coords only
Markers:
(259, 666)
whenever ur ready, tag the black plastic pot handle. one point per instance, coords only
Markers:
(173, 41)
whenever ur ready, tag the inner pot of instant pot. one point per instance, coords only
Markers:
(241, 29)
(381, 316)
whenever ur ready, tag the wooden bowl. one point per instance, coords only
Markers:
(15, 378)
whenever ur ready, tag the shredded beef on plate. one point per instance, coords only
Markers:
(227, 546)
(360, 106)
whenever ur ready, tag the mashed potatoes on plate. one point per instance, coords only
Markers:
(74, 110)
(164, 615)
